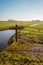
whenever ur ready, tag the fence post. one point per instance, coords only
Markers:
(16, 33)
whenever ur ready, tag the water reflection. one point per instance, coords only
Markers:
(4, 37)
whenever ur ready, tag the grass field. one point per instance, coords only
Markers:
(7, 25)
(27, 50)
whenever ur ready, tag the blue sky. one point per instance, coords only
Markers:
(21, 9)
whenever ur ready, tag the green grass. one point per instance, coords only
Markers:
(11, 56)
(16, 54)
(7, 25)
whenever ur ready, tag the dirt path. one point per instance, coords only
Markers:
(36, 51)
(34, 25)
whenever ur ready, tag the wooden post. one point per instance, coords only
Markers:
(16, 33)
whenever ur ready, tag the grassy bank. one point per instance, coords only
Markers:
(8, 25)
(19, 53)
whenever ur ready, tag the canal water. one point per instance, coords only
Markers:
(4, 38)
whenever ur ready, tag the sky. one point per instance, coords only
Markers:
(21, 10)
